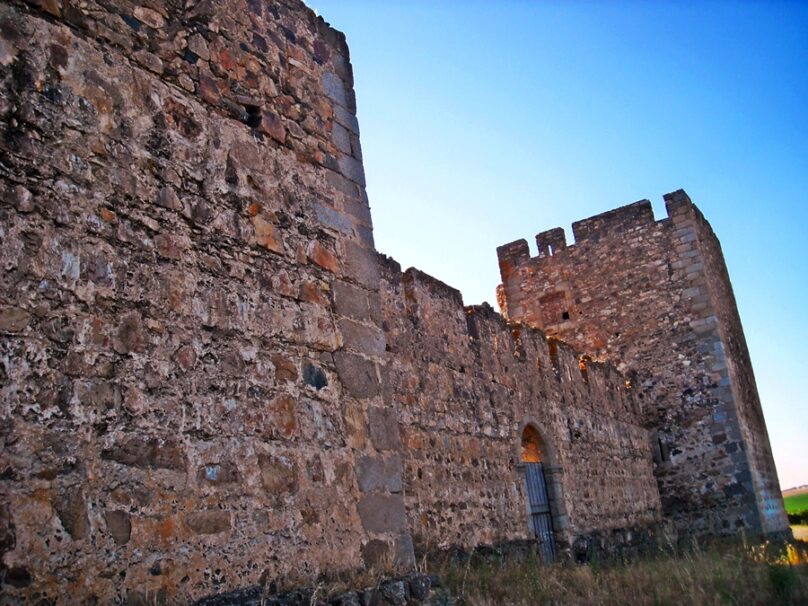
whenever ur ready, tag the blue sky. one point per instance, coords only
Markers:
(485, 122)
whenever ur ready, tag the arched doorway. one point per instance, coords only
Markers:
(541, 518)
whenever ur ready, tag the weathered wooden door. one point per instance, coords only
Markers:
(539, 507)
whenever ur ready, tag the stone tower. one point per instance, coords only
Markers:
(655, 298)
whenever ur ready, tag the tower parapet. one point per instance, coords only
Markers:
(619, 220)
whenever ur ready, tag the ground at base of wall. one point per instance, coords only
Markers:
(722, 573)
(800, 532)
(411, 590)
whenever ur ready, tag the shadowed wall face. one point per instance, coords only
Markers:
(189, 303)
(466, 385)
(655, 299)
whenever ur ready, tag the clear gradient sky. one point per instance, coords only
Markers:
(485, 122)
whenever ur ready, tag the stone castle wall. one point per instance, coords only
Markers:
(210, 378)
(465, 384)
(182, 399)
(654, 297)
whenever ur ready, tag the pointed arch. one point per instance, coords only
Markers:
(532, 445)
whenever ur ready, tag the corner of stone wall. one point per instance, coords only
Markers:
(737, 386)
(362, 359)
(697, 260)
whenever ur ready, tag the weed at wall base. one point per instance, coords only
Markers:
(736, 573)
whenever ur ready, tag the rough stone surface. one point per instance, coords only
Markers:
(358, 374)
(208, 522)
(384, 428)
(655, 298)
(379, 473)
(119, 526)
(71, 508)
(167, 260)
(382, 513)
(464, 384)
(14, 319)
(279, 475)
(212, 381)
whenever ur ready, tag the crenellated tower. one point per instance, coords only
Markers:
(655, 298)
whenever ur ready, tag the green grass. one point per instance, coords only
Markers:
(796, 503)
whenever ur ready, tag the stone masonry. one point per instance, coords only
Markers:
(186, 397)
(212, 382)
(654, 297)
(465, 383)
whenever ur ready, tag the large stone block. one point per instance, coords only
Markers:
(358, 374)
(361, 265)
(279, 474)
(404, 554)
(212, 521)
(334, 88)
(350, 301)
(363, 338)
(322, 256)
(352, 168)
(382, 513)
(71, 506)
(146, 452)
(346, 118)
(119, 526)
(358, 209)
(333, 219)
(379, 473)
(341, 138)
(384, 430)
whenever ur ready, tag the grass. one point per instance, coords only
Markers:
(734, 574)
(796, 503)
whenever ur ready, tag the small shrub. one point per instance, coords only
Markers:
(798, 517)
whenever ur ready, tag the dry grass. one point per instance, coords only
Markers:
(736, 574)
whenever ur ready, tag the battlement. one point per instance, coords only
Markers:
(551, 241)
(678, 200)
(615, 221)
(512, 255)
(429, 300)
(612, 223)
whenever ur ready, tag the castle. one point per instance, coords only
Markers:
(210, 377)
